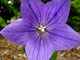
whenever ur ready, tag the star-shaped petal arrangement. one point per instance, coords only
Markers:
(42, 28)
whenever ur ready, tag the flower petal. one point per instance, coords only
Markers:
(18, 31)
(32, 10)
(63, 37)
(56, 11)
(39, 49)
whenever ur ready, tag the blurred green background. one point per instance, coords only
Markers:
(10, 10)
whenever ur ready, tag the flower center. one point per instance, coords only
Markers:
(41, 29)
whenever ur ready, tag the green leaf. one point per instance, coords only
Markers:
(54, 55)
(45, 1)
(2, 22)
(22, 49)
(17, 13)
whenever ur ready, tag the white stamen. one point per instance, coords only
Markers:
(42, 28)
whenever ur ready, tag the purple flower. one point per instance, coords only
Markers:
(42, 28)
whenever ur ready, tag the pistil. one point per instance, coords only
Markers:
(42, 29)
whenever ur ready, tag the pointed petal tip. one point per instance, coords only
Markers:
(65, 37)
(1, 32)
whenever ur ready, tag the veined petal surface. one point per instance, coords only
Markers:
(56, 11)
(19, 31)
(63, 36)
(39, 49)
(32, 9)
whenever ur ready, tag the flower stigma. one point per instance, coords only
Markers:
(41, 29)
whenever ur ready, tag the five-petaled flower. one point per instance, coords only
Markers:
(42, 28)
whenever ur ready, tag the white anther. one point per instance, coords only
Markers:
(42, 28)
